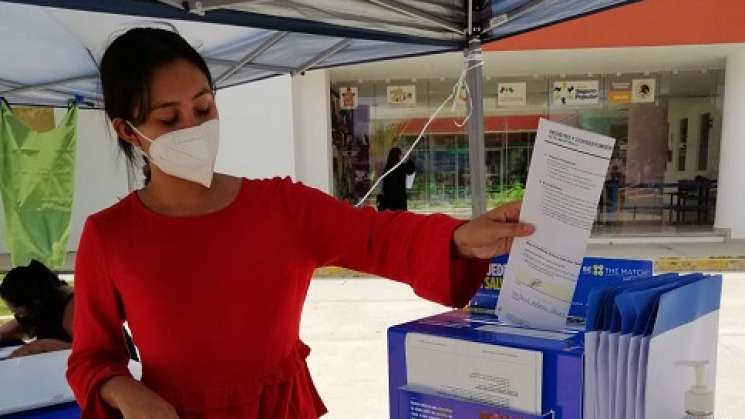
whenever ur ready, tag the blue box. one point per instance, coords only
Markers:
(594, 271)
(561, 375)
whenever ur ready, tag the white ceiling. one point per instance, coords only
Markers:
(548, 62)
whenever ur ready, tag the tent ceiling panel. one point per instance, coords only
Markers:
(428, 19)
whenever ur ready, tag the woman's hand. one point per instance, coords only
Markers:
(40, 346)
(491, 234)
(135, 401)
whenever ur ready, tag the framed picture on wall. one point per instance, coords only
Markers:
(643, 90)
(577, 92)
(402, 95)
(511, 94)
(348, 98)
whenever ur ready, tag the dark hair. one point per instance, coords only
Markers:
(394, 156)
(127, 67)
(26, 285)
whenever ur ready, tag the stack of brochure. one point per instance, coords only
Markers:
(650, 348)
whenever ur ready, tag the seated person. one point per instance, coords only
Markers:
(42, 306)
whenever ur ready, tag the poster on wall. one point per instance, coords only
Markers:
(620, 92)
(643, 90)
(583, 92)
(511, 94)
(402, 95)
(348, 98)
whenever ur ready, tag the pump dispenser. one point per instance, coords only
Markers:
(699, 399)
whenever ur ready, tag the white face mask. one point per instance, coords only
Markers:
(188, 153)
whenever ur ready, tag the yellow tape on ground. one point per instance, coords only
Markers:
(699, 264)
(336, 272)
(669, 264)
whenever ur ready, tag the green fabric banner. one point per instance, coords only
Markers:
(37, 179)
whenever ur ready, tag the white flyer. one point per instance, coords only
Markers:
(566, 176)
(36, 381)
(492, 374)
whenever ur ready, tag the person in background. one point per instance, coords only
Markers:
(42, 310)
(394, 185)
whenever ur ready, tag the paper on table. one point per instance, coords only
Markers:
(590, 373)
(632, 365)
(497, 375)
(592, 341)
(603, 401)
(6, 351)
(641, 378)
(612, 365)
(37, 381)
(620, 397)
(566, 176)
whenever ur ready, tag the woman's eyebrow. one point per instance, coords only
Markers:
(169, 104)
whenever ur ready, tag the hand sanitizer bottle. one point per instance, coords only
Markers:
(699, 399)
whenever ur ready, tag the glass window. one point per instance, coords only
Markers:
(648, 184)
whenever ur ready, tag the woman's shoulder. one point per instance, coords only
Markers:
(274, 186)
(115, 212)
(282, 191)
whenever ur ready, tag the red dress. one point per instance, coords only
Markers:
(214, 301)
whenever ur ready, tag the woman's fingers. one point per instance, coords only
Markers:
(509, 212)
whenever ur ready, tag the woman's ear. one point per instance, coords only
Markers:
(125, 132)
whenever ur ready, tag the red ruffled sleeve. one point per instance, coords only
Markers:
(98, 351)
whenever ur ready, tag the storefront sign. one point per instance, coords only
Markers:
(643, 90)
(620, 92)
(585, 92)
(348, 98)
(402, 95)
(511, 94)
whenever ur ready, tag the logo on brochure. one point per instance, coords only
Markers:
(598, 270)
(594, 270)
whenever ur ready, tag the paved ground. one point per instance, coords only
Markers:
(732, 249)
(345, 323)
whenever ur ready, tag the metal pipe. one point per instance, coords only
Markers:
(409, 11)
(15, 87)
(475, 128)
(323, 56)
(40, 86)
(256, 66)
(274, 39)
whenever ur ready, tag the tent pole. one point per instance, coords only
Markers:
(67, 93)
(45, 86)
(262, 48)
(323, 56)
(475, 127)
(251, 66)
(409, 11)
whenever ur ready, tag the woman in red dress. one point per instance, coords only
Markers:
(240, 251)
